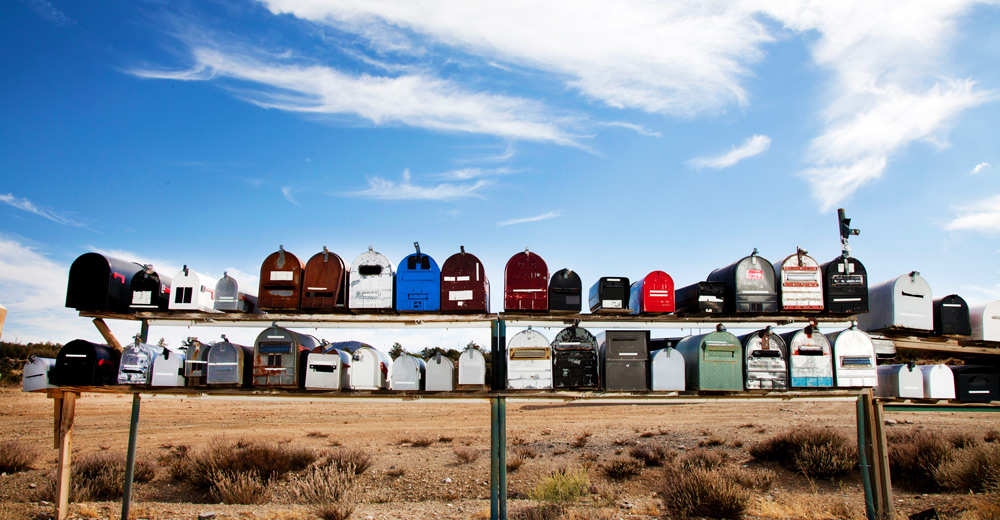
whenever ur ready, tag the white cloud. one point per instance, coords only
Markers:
(980, 167)
(414, 100)
(49, 13)
(287, 193)
(639, 129)
(754, 145)
(66, 219)
(682, 58)
(464, 174)
(536, 218)
(379, 188)
(982, 215)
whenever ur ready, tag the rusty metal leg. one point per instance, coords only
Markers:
(65, 447)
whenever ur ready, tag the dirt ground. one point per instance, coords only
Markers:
(429, 482)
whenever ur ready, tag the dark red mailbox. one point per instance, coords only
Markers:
(280, 281)
(464, 286)
(324, 282)
(526, 283)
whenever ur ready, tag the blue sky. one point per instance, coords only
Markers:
(614, 139)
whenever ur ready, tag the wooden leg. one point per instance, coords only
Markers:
(57, 405)
(882, 450)
(65, 447)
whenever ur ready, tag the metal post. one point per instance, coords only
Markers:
(502, 445)
(498, 422)
(863, 459)
(495, 459)
(133, 431)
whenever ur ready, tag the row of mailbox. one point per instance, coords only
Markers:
(615, 360)
(748, 286)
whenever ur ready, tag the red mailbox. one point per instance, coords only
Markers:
(464, 286)
(280, 281)
(653, 294)
(526, 283)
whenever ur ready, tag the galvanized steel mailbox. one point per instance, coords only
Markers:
(575, 359)
(82, 363)
(418, 283)
(939, 381)
(464, 286)
(371, 282)
(609, 295)
(408, 373)
(440, 374)
(845, 286)
(229, 298)
(328, 370)
(810, 358)
(985, 320)
(765, 361)
(652, 294)
(853, 359)
(801, 282)
(150, 291)
(471, 368)
(191, 291)
(280, 357)
(976, 383)
(666, 367)
(624, 360)
(700, 298)
(713, 361)
(529, 361)
(138, 366)
(565, 292)
(900, 381)
(100, 283)
(369, 368)
(750, 285)
(951, 316)
(324, 282)
(526, 283)
(904, 302)
(229, 364)
(280, 281)
(35, 376)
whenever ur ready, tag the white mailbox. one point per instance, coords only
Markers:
(667, 370)
(369, 368)
(35, 377)
(471, 368)
(529, 361)
(986, 321)
(440, 374)
(905, 302)
(939, 381)
(168, 368)
(407, 373)
(853, 358)
(800, 286)
(191, 291)
(371, 282)
(329, 370)
(902, 381)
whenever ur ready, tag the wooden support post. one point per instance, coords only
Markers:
(65, 447)
(106, 333)
(876, 454)
(882, 451)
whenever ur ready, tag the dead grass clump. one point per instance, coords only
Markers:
(328, 489)
(976, 468)
(467, 455)
(711, 442)
(515, 462)
(516, 441)
(561, 486)
(358, 460)
(962, 439)
(621, 442)
(914, 456)
(622, 469)
(646, 435)
(700, 458)
(541, 512)
(757, 479)
(317, 435)
(526, 452)
(992, 436)
(814, 452)
(652, 456)
(442, 439)
(983, 508)
(605, 494)
(701, 492)
(422, 442)
(102, 475)
(243, 487)
(17, 456)
(580, 440)
(334, 511)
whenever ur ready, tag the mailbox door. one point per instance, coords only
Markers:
(526, 283)
(610, 294)
(150, 291)
(764, 362)
(939, 381)
(323, 282)
(371, 282)
(912, 306)
(951, 316)
(810, 359)
(280, 281)
(667, 370)
(464, 286)
(653, 295)
(440, 374)
(853, 359)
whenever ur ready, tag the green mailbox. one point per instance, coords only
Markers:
(713, 361)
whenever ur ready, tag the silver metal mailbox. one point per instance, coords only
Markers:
(939, 381)
(229, 364)
(35, 377)
(810, 358)
(168, 368)
(408, 373)
(471, 368)
(371, 282)
(904, 302)
(985, 321)
(765, 361)
(440, 374)
(853, 358)
(529, 361)
(328, 370)
(902, 381)
(136, 364)
(667, 370)
(228, 297)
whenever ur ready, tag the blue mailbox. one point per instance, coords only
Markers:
(418, 283)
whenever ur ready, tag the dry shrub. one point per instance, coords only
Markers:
(814, 452)
(580, 440)
(359, 460)
(621, 442)
(652, 456)
(335, 511)
(242, 487)
(806, 507)
(622, 469)
(590, 456)
(962, 439)
(541, 512)
(526, 452)
(102, 476)
(395, 472)
(712, 441)
(701, 458)
(17, 456)
(646, 435)
(703, 492)
(976, 468)
(605, 494)
(992, 436)
(561, 486)
(317, 435)
(329, 489)
(757, 479)
(515, 462)
(422, 442)
(983, 508)
(516, 441)
(467, 455)
(914, 456)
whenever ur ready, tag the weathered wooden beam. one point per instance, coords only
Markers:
(106, 333)
(65, 447)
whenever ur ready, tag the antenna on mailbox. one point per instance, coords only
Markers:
(845, 232)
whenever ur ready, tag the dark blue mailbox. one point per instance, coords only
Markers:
(418, 283)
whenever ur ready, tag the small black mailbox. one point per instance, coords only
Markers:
(565, 292)
(82, 363)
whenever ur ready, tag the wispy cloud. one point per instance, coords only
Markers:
(379, 188)
(639, 129)
(980, 167)
(464, 174)
(66, 219)
(415, 100)
(49, 13)
(754, 145)
(536, 218)
(287, 193)
(982, 215)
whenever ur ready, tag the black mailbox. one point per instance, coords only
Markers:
(100, 283)
(750, 285)
(951, 316)
(845, 286)
(150, 291)
(565, 292)
(976, 383)
(82, 363)
(625, 356)
(700, 298)
(574, 359)
(610, 295)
